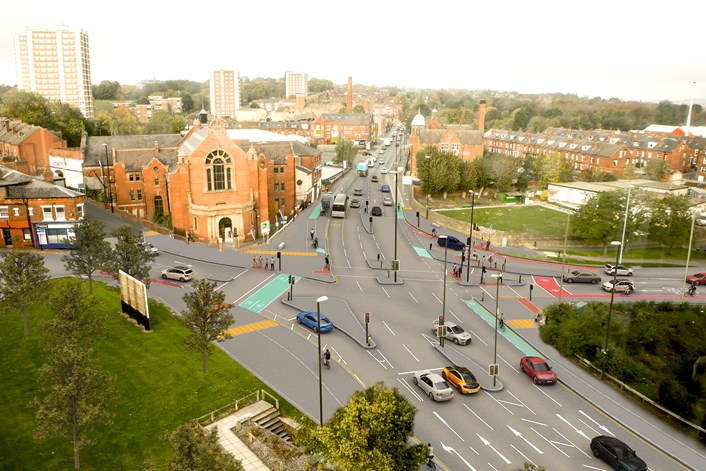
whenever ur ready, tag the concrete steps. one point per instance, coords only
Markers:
(266, 416)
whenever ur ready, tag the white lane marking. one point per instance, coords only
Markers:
(572, 443)
(448, 426)
(550, 442)
(410, 352)
(498, 402)
(534, 422)
(602, 427)
(388, 328)
(523, 455)
(339, 355)
(478, 417)
(520, 401)
(385, 291)
(595, 432)
(458, 320)
(414, 393)
(247, 293)
(487, 443)
(518, 434)
(359, 287)
(379, 361)
(580, 432)
(451, 450)
(412, 296)
(548, 396)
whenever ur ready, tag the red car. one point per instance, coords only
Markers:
(697, 278)
(538, 369)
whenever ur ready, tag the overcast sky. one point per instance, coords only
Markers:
(632, 50)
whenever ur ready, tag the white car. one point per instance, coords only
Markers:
(454, 333)
(622, 270)
(151, 249)
(180, 273)
(621, 286)
(433, 385)
(387, 201)
(383, 170)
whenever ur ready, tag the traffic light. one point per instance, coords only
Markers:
(396, 265)
(493, 369)
(279, 254)
(441, 331)
(292, 279)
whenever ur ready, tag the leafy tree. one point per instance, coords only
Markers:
(670, 220)
(103, 123)
(21, 274)
(521, 117)
(164, 122)
(656, 169)
(601, 218)
(345, 152)
(197, 449)
(130, 256)
(106, 90)
(504, 171)
(187, 102)
(90, 250)
(372, 431)
(76, 392)
(28, 107)
(69, 121)
(527, 466)
(552, 168)
(439, 172)
(208, 315)
(125, 122)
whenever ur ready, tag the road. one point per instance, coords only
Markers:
(498, 428)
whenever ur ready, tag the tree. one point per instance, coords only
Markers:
(345, 152)
(438, 171)
(656, 169)
(372, 431)
(208, 315)
(319, 85)
(76, 391)
(130, 256)
(21, 274)
(125, 122)
(106, 90)
(552, 168)
(670, 220)
(69, 121)
(164, 122)
(197, 449)
(601, 218)
(28, 107)
(90, 250)
(504, 171)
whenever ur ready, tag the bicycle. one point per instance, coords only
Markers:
(430, 462)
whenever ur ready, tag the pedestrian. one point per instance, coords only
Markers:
(463, 257)
(272, 264)
(487, 244)
(311, 233)
(460, 270)
(454, 270)
(433, 231)
(326, 262)
(502, 320)
(259, 261)
(475, 255)
(254, 261)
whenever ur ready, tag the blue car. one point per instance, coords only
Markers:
(309, 320)
(385, 188)
(452, 242)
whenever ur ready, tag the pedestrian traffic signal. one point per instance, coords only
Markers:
(441, 331)
(279, 254)
(493, 369)
(292, 279)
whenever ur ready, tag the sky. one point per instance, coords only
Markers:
(626, 49)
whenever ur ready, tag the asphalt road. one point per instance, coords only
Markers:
(498, 428)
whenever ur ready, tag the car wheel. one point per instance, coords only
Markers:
(460, 388)
(456, 341)
(315, 329)
(164, 276)
(414, 380)
(536, 381)
(620, 468)
(595, 452)
(182, 279)
(443, 374)
(594, 282)
(569, 280)
(431, 395)
(299, 320)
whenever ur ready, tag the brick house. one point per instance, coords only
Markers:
(329, 128)
(31, 144)
(35, 212)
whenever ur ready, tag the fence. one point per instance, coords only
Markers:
(259, 395)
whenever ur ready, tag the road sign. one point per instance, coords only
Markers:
(265, 227)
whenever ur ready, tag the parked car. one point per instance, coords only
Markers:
(581, 277)
(433, 385)
(461, 378)
(381, 151)
(149, 248)
(622, 270)
(309, 319)
(355, 203)
(376, 211)
(179, 273)
(454, 332)
(697, 279)
(383, 170)
(538, 369)
(452, 242)
(381, 161)
(374, 178)
(621, 286)
(617, 454)
(357, 192)
(385, 188)
(387, 201)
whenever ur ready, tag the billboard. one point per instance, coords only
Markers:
(133, 299)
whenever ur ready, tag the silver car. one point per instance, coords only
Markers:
(454, 333)
(387, 201)
(433, 385)
(180, 273)
(609, 268)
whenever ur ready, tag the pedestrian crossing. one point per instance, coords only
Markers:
(247, 328)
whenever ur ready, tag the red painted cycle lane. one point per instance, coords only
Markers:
(550, 285)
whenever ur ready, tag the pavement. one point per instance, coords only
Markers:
(296, 250)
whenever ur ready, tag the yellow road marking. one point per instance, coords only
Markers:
(274, 252)
(150, 233)
(247, 328)
(522, 324)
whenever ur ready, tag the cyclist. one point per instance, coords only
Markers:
(430, 456)
(327, 357)
(316, 242)
(692, 289)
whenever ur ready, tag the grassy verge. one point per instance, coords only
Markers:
(159, 386)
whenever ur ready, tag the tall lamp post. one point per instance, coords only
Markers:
(396, 203)
(617, 245)
(688, 258)
(428, 159)
(470, 238)
(625, 225)
(318, 355)
(110, 189)
(563, 256)
(443, 297)
(499, 280)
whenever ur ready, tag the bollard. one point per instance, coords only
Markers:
(482, 296)
(520, 278)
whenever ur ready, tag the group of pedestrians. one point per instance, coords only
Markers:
(263, 262)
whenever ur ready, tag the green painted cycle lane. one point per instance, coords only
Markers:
(424, 253)
(268, 293)
(520, 343)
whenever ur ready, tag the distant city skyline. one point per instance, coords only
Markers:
(591, 49)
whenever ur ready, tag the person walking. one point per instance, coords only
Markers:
(311, 233)
(272, 264)
(326, 262)
(501, 321)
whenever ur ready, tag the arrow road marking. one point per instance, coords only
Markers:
(570, 425)
(518, 434)
(451, 450)
(487, 443)
(448, 426)
(602, 427)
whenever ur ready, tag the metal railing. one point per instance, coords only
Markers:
(259, 395)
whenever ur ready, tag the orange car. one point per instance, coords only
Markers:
(461, 378)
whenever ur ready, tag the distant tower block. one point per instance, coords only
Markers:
(349, 101)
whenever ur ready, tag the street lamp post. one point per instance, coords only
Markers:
(688, 258)
(110, 189)
(443, 297)
(563, 256)
(610, 306)
(625, 225)
(318, 355)
(499, 280)
(470, 238)
(396, 203)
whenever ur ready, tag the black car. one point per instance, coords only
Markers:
(452, 242)
(376, 211)
(617, 454)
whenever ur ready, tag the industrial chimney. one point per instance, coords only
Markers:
(349, 101)
(481, 116)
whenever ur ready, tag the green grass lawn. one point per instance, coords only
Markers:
(159, 386)
(527, 219)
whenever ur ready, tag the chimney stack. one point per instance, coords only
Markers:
(301, 102)
(481, 116)
(47, 175)
(349, 101)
